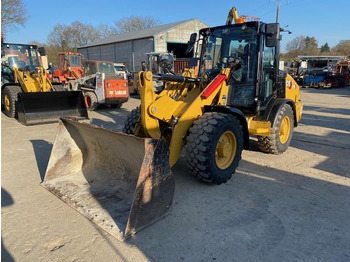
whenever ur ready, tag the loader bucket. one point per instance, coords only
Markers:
(122, 183)
(44, 107)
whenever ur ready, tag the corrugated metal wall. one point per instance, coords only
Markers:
(84, 52)
(123, 52)
(132, 53)
(180, 64)
(107, 53)
(94, 53)
(141, 47)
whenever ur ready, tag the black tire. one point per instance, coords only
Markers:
(90, 99)
(278, 142)
(203, 144)
(131, 121)
(58, 88)
(118, 105)
(9, 100)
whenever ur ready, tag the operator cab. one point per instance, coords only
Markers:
(24, 57)
(244, 49)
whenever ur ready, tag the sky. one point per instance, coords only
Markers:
(325, 20)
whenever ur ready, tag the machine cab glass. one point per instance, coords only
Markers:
(234, 47)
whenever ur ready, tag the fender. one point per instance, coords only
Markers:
(237, 113)
(271, 112)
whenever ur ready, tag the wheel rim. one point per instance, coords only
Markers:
(87, 101)
(225, 150)
(7, 103)
(284, 130)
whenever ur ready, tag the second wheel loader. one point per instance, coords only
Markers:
(123, 182)
(27, 92)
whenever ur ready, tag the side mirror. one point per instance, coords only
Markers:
(42, 51)
(191, 43)
(272, 34)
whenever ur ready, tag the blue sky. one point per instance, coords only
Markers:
(325, 20)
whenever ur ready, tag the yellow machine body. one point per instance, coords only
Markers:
(36, 81)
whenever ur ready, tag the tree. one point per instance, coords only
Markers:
(106, 30)
(325, 48)
(13, 14)
(311, 46)
(297, 43)
(342, 48)
(82, 34)
(135, 23)
(70, 37)
(57, 37)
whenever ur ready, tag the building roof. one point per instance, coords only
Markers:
(149, 32)
(319, 58)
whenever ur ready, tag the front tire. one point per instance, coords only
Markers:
(130, 123)
(10, 97)
(214, 147)
(281, 134)
(90, 99)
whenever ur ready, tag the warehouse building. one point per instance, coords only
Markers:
(131, 48)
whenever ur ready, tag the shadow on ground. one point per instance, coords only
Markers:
(6, 200)
(261, 214)
(42, 150)
(113, 118)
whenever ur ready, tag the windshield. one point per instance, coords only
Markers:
(235, 48)
(20, 56)
(75, 60)
(106, 68)
(120, 68)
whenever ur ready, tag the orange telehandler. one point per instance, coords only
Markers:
(70, 67)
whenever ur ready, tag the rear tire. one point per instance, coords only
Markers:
(214, 147)
(281, 134)
(90, 99)
(10, 97)
(131, 121)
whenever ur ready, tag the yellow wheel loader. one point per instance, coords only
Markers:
(27, 92)
(123, 182)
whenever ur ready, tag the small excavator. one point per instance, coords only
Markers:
(234, 90)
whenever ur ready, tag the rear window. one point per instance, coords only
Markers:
(106, 68)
